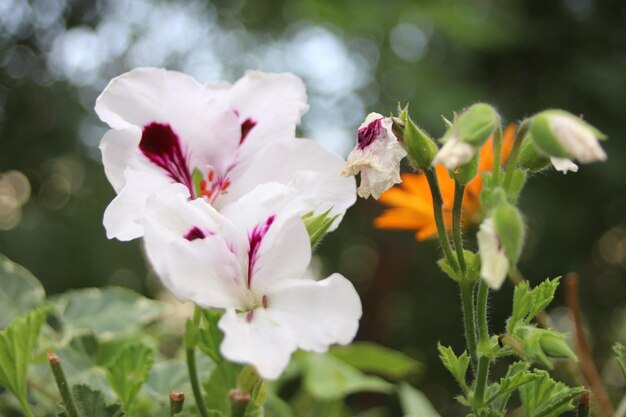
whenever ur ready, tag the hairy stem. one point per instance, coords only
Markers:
(515, 151)
(497, 155)
(61, 381)
(482, 375)
(469, 319)
(457, 210)
(431, 176)
(190, 354)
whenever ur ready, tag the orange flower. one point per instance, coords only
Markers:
(411, 204)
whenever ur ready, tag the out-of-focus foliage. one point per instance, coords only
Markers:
(355, 56)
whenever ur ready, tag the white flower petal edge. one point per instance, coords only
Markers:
(494, 263)
(376, 156)
(454, 153)
(305, 314)
(576, 138)
(563, 165)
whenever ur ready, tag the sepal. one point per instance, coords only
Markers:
(419, 145)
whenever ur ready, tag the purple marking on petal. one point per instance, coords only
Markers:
(368, 134)
(161, 145)
(255, 237)
(246, 127)
(194, 233)
(249, 316)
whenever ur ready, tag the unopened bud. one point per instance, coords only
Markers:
(531, 158)
(476, 124)
(418, 144)
(466, 172)
(555, 346)
(177, 400)
(509, 227)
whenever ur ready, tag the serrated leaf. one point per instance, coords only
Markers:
(373, 358)
(317, 226)
(17, 342)
(414, 403)
(105, 311)
(20, 291)
(544, 397)
(620, 355)
(223, 378)
(91, 403)
(456, 365)
(327, 378)
(517, 375)
(527, 303)
(128, 371)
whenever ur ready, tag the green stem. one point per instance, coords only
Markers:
(61, 381)
(239, 401)
(469, 318)
(511, 163)
(190, 354)
(431, 176)
(497, 155)
(26, 408)
(483, 333)
(459, 190)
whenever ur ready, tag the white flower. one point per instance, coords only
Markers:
(376, 156)
(251, 261)
(576, 137)
(563, 165)
(494, 263)
(211, 142)
(454, 153)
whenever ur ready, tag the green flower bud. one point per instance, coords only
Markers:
(466, 172)
(531, 157)
(555, 346)
(509, 228)
(418, 144)
(476, 124)
(563, 135)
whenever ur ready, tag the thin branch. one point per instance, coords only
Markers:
(589, 369)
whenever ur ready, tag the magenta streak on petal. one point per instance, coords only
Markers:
(255, 237)
(246, 127)
(368, 134)
(162, 147)
(194, 233)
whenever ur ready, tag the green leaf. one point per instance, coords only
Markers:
(620, 355)
(128, 371)
(318, 226)
(209, 336)
(327, 378)
(414, 403)
(544, 397)
(370, 357)
(527, 303)
(517, 375)
(457, 365)
(223, 378)
(20, 291)
(276, 407)
(17, 342)
(91, 403)
(106, 311)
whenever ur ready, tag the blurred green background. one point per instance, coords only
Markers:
(355, 56)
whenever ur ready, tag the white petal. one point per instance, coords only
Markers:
(261, 342)
(207, 126)
(275, 102)
(203, 270)
(494, 263)
(122, 218)
(563, 165)
(118, 149)
(454, 154)
(317, 313)
(311, 172)
(577, 138)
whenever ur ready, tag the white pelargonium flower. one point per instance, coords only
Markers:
(454, 153)
(563, 165)
(250, 260)
(576, 137)
(376, 156)
(494, 263)
(214, 142)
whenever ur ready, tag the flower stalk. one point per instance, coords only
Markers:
(514, 154)
(497, 154)
(431, 176)
(190, 355)
(61, 381)
(482, 374)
